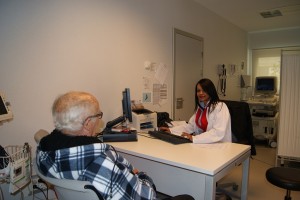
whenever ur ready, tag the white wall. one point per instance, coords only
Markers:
(99, 46)
(274, 38)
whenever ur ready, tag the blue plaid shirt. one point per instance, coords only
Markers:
(99, 164)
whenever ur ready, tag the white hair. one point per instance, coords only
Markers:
(71, 109)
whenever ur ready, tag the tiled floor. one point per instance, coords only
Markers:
(259, 188)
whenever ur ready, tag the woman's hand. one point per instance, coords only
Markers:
(166, 129)
(187, 135)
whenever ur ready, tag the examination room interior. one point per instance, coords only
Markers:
(99, 46)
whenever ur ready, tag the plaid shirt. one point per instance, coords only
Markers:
(99, 164)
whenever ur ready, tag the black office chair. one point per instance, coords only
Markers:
(242, 132)
(285, 177)
(241, 123)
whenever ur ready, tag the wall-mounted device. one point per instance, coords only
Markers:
(221, 70)
(245, 81)
(144, 120)
(245, 84)
(5, 112)
(232, 69)
(222, 79)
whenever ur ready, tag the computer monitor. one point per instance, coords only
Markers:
(5, 113)
(118, 130)
(265, 85)
(126, 109)
(126, 105)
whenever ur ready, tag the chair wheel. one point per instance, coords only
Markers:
(235, 187)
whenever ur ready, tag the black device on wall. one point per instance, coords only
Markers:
(222, 79)
(5, 113)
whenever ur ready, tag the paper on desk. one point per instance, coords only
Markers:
(178, 123)
(175, 123)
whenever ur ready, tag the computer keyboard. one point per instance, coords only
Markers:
(167, 137)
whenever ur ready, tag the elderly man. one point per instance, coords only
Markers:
(72, 151)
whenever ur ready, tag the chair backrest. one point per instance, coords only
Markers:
(39, 135)
(67, 189)
(70, 189)
(241, 123)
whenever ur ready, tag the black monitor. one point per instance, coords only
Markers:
(115, 133)
(126, 109)
(5, 113)
(265, 85)
(126, 105)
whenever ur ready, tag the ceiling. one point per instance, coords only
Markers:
(246, 13)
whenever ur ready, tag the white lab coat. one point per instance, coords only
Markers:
(218, 128)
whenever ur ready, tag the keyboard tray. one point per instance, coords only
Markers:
(167, 137)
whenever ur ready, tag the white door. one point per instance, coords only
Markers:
(188, 70)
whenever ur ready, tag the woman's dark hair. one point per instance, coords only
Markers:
(208, 87)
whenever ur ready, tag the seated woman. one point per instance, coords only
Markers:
(210, 122)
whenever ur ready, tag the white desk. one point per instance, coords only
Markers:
(186, 168)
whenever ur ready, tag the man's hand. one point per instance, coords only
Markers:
(135, 171)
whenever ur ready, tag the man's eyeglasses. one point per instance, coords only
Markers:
(99, 115)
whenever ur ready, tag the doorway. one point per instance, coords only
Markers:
(188, 70)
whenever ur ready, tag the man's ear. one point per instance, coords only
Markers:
(87, 127)
(87, 123)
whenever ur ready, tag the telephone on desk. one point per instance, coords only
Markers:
(117, 134)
